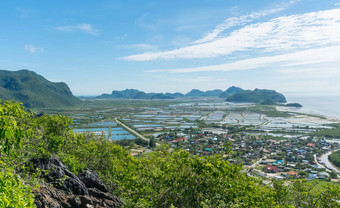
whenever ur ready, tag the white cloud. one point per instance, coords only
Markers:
(337, 4)
(86, 28)
(320, 56)
(32, 49)
(281, 34)
(235, 21)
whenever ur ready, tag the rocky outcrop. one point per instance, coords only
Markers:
(65, 190)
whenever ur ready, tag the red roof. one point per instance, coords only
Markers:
(292, 173)
(272, 168)
(310, 145)
(179, 140)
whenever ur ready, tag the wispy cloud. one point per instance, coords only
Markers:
(286, 33)
(141, 46)
(32, 49)
(309, 57)
(86, 28)
(236, 21)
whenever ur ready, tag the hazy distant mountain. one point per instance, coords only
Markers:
(232, 94)
(194, 93)
(33, 90)
(124, 94)
(137, 94)
(142, 95)
(161, 96)
(199, 93)
(174, 95)
(257, 96)
(230, 91)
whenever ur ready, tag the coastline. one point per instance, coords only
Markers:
(314, 115)
(322, 105)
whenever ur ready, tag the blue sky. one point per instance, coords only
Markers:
(168, 46)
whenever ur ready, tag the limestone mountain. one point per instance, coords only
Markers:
(199, 93)
(258, 96)
(34, 90)
(230, 91)
(137, 94)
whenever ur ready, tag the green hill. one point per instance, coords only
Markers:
(230, 91)
(137, 94)
(199, 93)
(33, 90)
(257, 96)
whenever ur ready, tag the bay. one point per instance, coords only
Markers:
(316, 104)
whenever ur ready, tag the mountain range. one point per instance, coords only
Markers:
(34, 90)
(232, 94)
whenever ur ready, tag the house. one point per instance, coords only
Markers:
(293, 174)
(178, 140)
(272, 169)
(279, 177)
(310, 145)
(312, 176)
(278, 162)
(323, 175)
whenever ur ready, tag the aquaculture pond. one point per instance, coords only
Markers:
(117, 133)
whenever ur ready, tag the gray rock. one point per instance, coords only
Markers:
(91, 180)
(64, 189)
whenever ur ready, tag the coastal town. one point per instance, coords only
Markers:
(270, 142)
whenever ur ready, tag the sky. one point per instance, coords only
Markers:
(291, 46)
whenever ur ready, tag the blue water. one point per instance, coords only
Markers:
(104, 123)
(116, 133)
(324, 105)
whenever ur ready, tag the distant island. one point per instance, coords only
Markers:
(137, 94)
(33, 90)
(232, 94)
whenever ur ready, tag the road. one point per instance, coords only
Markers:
(130, 130)
(318, 164)
(326, 163)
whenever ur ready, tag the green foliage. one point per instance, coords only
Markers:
(33, 90)
(333, 174)
(12, 126)
(257, 96)
(330, 133)
(161, 178)
(233, 129)
(13, 192)
(152, 142)
(335, 158)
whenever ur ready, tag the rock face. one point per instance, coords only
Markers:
(66, 190)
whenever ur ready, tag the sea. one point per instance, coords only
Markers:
(321, 105)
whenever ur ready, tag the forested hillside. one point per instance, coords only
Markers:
(33, 90)
(162, 178)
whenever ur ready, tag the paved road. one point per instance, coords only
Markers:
(130, 130)
(320, 165)
(326, 163)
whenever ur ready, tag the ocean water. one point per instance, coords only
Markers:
(321, 105)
